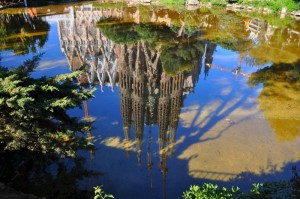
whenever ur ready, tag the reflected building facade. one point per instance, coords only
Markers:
(148, 95)
(86, 48)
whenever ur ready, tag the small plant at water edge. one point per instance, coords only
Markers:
(209, 191)
(100, 194)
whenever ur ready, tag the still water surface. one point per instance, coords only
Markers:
(183, 97)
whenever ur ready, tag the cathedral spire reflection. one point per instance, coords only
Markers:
(151, 97)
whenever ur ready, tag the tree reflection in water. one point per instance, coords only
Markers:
(22, 33)
(46, 175)
(279, 99)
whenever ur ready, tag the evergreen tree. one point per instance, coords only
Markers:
(33, 111)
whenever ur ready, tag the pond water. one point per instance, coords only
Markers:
(183, 96)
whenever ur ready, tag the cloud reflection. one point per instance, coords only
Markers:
(46, 65)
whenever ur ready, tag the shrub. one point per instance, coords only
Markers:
(33, 111)
(275, 5)
(100, 194)
(276, 189)
(209, 191)
(176, 2)
(216, 2)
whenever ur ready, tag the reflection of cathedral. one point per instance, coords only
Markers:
(152, 97)
(148, 95)
(85, 47)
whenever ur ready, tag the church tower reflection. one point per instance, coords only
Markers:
(149, 96)
(86, 47)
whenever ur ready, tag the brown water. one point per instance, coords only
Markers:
(183, 97)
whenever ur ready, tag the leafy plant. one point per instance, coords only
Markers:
(277, 189)
(275, 5)
(216, 2)
(177, 2)
(209, 191)
(100, 194)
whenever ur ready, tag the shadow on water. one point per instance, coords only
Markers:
(223, 109)
(167, 176)
(166, 164)
(44, 175)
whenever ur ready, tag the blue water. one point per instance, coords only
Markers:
(222, 134)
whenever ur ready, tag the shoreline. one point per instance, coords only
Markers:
(262, 10)
(189, 4)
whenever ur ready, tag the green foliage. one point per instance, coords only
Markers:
(22, 35)
(209, 191)
(275, 5)
(33, 112)
(180, 57)
(100, 194)
(277, 189)
(177, 55)
(289, 73)
(216, 2)
(271, 19)
(176, 2)
(231, 44)
(229, 33)
(2, 34)
(116, 33)
(131, 33)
